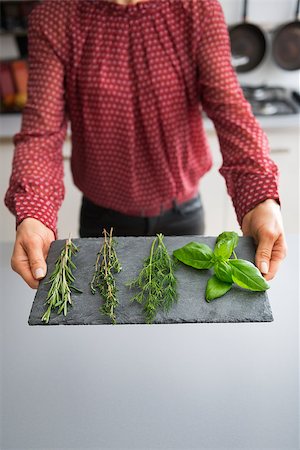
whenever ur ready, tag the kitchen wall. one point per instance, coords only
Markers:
(268, 14)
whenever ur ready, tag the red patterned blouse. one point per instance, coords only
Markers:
(133, 82)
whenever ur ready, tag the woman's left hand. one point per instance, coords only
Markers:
(264, 224)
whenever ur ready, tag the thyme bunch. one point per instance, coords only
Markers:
(156, 281)
(103, 278)
(61, 279)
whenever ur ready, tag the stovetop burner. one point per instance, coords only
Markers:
(272, 100)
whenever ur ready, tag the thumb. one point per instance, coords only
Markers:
(36, 258)
(264, 252)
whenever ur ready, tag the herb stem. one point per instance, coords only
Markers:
(103, 277)
(156, 281)
(150, 261)
(61, 279)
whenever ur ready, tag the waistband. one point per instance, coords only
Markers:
(179, 204)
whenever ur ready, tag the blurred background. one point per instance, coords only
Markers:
(220, 386)
(268, 69)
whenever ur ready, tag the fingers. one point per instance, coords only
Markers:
(270, 252)
(31, 249)
(20, 264)
(264, 252)
(279, 252)
(34, 249)
(274, 266)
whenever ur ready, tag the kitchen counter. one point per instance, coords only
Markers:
(10, 124)
(188, 386)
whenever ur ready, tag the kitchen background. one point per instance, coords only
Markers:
(190, 386)
(282, 129)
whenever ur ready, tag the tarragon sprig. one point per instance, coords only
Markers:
(156, 281)
(103, 278)
(61, 279)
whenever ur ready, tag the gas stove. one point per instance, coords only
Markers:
(272, 100)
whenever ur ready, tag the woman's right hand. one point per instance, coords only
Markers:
(31, 248)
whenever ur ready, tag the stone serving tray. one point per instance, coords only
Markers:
(238, 305)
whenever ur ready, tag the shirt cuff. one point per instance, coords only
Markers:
(36, 208)
(252, 191)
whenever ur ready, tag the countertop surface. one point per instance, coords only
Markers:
(179, 386)
(10, 124)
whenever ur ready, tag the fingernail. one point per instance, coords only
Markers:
(39, 273)
(264, 267)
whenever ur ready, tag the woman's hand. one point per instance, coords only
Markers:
(264, 224)
(31, 248)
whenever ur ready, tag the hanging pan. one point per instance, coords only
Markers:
(248, 44)
(286, 44)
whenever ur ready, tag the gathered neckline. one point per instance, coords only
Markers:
(115, 5)
(130, 9)
(129, 5)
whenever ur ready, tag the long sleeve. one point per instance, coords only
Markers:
(132, 78)
(36, 184)
(251, 175)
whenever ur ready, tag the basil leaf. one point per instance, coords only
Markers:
(225, 244)
(228, 236)
(215, 288)
(199, 256)
(223, 271)
(246, 275)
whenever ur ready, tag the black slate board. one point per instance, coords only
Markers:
(238, 305)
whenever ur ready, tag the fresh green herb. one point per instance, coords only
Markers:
(199, 256)
(103, 278)
(226, 270)
(247, 276)
(156, 281)
(61, 279)
(225, 244)
(223, 271)
(216, 288)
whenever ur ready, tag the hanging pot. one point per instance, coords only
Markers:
(248, 44)
(286, 44)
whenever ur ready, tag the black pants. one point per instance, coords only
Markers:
(183, 219)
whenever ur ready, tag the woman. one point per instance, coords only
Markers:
(131, 77)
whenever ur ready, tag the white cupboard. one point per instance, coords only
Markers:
(220, 214)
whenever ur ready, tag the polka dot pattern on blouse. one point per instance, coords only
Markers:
(133, 81)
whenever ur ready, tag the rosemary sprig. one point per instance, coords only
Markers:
(61, 279)
(156, 281)
(103, 278)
